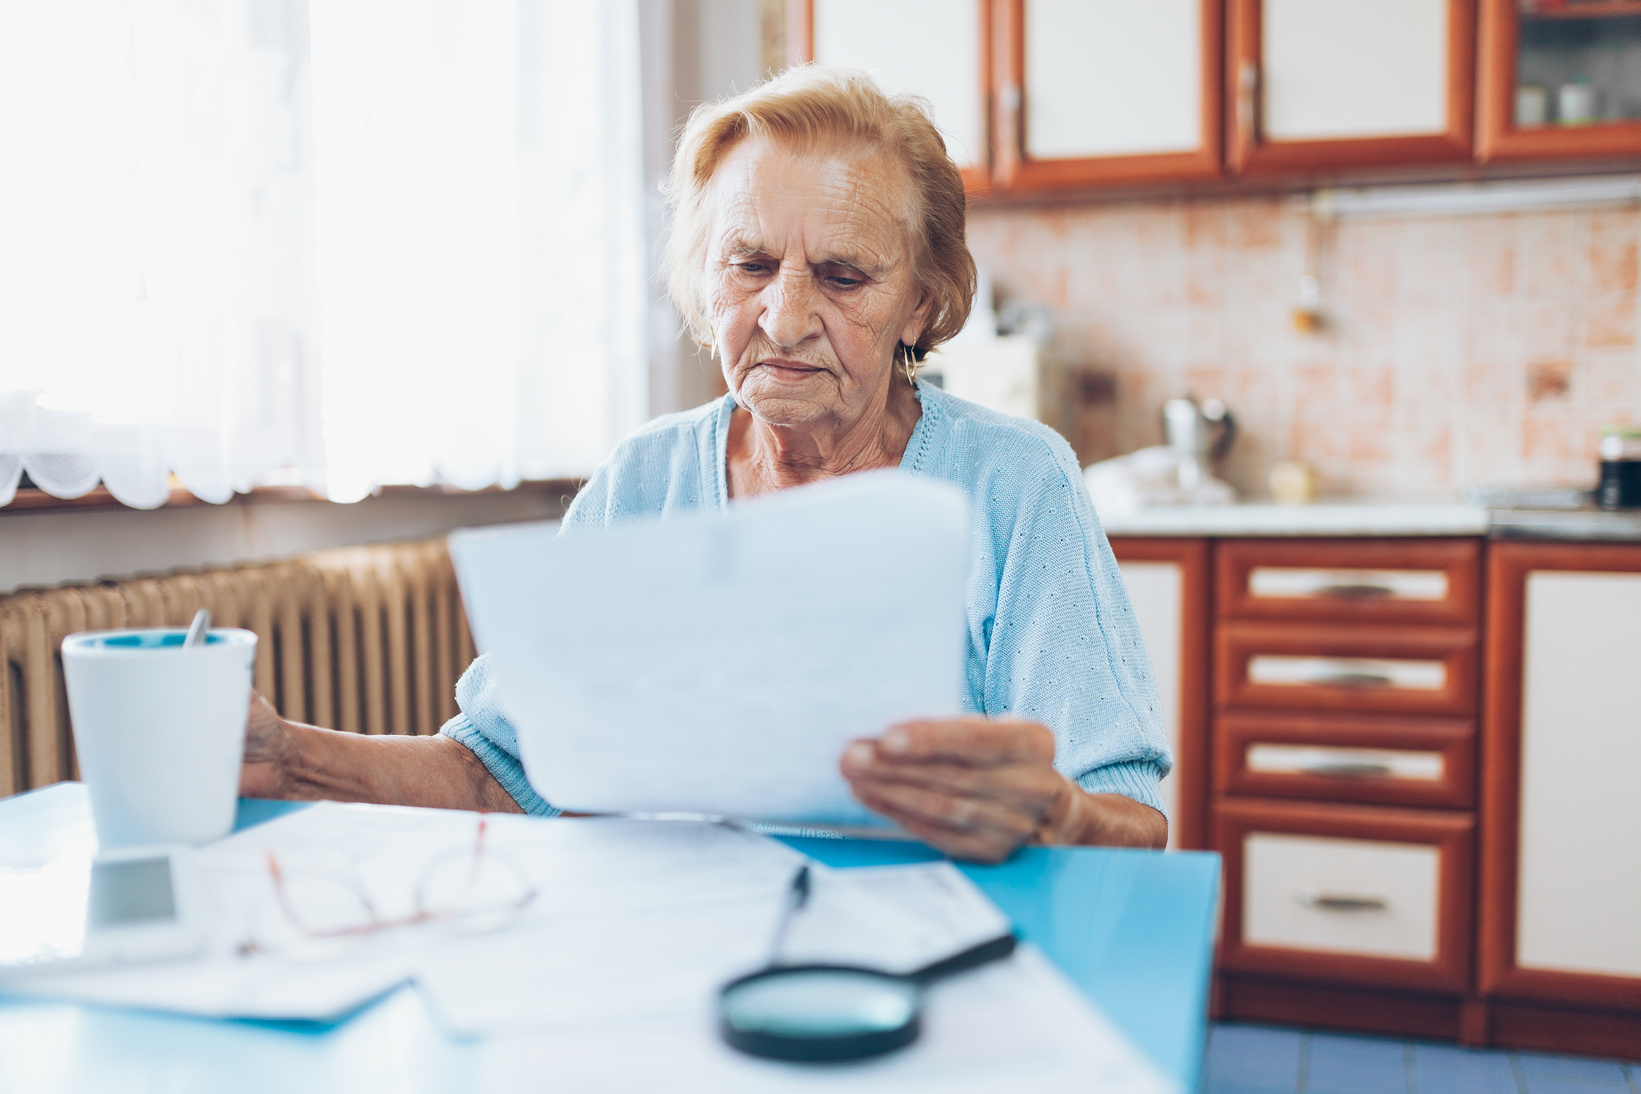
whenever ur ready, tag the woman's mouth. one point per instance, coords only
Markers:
(789, 370)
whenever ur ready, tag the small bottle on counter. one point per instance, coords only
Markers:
(1620, 485)
(1293, 483)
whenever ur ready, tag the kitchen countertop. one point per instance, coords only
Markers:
(1377, 518)
(1321, 519)
(1588, 524)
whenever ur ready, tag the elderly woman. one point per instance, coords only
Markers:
(818, 249)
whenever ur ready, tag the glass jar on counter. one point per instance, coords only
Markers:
(1620, 451)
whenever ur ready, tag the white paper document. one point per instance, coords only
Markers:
(606, 978)
(894, 918)
(619, 992)
(659, 942)
(719, 663)
(1018, 1025)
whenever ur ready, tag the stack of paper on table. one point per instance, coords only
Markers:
(607, 980)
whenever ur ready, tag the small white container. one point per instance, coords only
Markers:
(1532, 106)
(1577, 104)
(159, 729)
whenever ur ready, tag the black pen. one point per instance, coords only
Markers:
(797, 895)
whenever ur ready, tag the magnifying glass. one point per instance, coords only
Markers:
(822, 1012)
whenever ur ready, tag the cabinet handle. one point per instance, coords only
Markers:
(1339, 902)
(1357, 591)
(1353, 680)
(1346, 769)
(1247, 86)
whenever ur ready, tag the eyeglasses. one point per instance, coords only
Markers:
(321, 911)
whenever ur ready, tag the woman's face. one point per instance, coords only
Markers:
(809, 280)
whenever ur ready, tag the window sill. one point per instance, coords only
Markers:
(34, 500)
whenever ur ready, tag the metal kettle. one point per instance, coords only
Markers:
(1200, 435)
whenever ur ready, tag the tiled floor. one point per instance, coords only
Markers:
(1270, 1060)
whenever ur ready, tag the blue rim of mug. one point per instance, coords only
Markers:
(147, 639)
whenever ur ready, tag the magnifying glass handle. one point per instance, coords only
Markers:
(982, 953)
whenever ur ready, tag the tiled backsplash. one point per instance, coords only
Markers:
(1455, 351)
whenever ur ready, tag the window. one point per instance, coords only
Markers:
(341, 244)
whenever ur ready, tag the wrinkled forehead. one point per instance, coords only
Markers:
(767, 196)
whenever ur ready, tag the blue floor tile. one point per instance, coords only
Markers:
(1570, 1069)
(1342, 1064)
(1449, 1069)
(1247, 1058)
(1243, 1059)
(1541, 1085)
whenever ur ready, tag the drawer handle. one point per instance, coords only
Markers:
(1338, 902)
(1353, 680)
(1345, 769)
(1356, 591)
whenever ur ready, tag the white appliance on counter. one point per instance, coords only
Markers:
(1002, 373)
(1177, 473)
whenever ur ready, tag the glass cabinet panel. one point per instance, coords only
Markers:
(1577, 63)
(1560, 80)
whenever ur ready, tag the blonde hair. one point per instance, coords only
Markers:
(805, 107)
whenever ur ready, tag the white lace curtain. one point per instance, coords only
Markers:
(339, 243)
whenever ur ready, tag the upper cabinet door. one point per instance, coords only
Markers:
(1108, 91)
(1560, 80)
(1320, 84)
(939, 49)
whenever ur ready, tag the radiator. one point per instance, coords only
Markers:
(364, 639)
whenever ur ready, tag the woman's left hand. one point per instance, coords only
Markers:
(977, 789)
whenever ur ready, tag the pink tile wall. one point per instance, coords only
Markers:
(1456, 351)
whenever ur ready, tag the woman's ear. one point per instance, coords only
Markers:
(913, 330)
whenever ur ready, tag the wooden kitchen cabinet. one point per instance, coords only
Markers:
(940, 49)
(1167, 583)
(1559, 81)
(1054, 95)
(1560, 878)
(1349, 83)
(1454, 851)
(1343, 736)
(1095, 92)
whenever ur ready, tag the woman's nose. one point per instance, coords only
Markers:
(790, 315)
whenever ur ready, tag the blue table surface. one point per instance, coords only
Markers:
(1133, 929)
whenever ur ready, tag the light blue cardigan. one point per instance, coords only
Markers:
(1051, 637)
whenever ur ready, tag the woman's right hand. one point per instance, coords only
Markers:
(263, 773)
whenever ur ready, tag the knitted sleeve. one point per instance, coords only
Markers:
(1065, 646)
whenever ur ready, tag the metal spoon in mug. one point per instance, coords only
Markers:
(197, 629)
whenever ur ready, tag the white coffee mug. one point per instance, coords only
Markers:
(159, 728)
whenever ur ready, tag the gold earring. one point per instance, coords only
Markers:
(910, 364)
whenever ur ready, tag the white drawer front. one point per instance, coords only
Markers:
(1340, 895)
(1345, 763)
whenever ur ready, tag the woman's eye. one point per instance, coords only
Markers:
(844, 282)
(752, 267)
